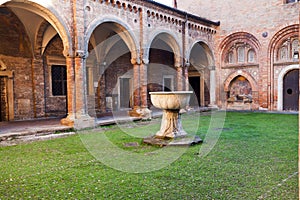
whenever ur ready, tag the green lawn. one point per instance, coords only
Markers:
(255, 157)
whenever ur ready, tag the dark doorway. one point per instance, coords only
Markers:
(167, 84)
(124, 92)
(291, 90)
(195, 87)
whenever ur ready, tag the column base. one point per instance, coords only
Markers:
(84, 121)
(68, 121)
(213, 106)
(139, 112)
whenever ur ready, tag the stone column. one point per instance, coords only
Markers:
(69, 120)
(10, 98)
(101, 88)
(144, 83)
(77, 97)
(136, 84)
(179, 78)
(140, 108)
(186, 76)
(212, 86)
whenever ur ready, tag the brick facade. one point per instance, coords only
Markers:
(260, 25)
(114, 52)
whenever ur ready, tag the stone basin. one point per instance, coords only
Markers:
(171, 103)
(170, 100)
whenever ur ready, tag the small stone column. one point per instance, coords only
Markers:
(136, 84)
(101, 88)
(140, 108)
(186, 76)
(144, 82)
(77, 97)
(179, 77)
(212, 86)
(69, 120)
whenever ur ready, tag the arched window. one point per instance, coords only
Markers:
(283, 53)
(241, 54)
(230, 58)
(251, 56)
(295, 45)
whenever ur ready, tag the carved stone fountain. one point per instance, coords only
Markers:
(171, 131)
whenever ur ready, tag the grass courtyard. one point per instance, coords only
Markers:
(254, 157)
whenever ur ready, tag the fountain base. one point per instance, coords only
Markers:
(170, 125)
(180, 141)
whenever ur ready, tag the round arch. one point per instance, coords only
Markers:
(281, 75)
(281, 35)
(238, 37)
(47, 12)
(240, 73)
(128, 35)
(207, 48)
(170, 39)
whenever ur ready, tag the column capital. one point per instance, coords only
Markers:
(187, 64)
(146, 61)
(81, 54)
(212, 67)
(135, 61)
(77, 54)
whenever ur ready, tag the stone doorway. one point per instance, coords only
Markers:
(291, 90)
(195, 87)
(125, 93)
(6, 96)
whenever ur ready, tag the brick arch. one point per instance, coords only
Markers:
(240, 73)
(47, 12)
(208, 50)
(171, 40)
(242, 37)
(128, 37)
(280, 36)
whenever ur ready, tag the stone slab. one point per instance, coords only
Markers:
(180, 141)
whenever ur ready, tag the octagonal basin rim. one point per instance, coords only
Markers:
(170, 93)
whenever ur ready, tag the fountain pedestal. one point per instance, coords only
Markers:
(171, 128)
(170, 125)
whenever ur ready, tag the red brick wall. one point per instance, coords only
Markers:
(255, 18)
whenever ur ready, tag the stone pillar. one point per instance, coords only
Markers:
(186, 76)
(10, 98)
(101, 88)
(136, 84)
(144, 83)
(212, 86)
(77, 97)
(69, 120)
(140, 108)
(179, 77)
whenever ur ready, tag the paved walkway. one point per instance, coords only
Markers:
(39, 127)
